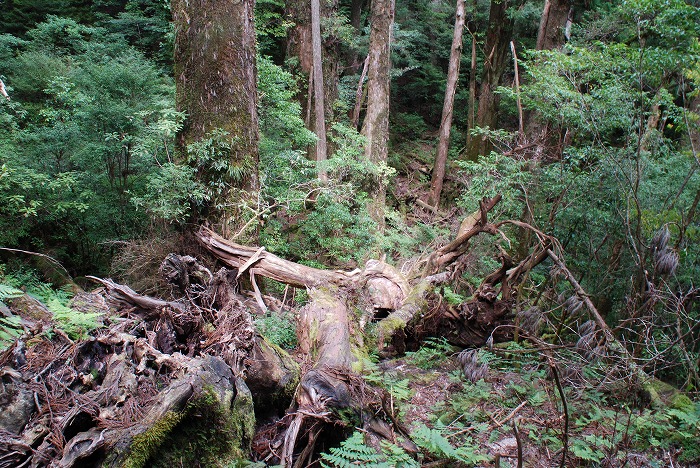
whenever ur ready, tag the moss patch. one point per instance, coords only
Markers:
(204, 434)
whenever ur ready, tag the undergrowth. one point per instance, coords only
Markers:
(279, 328)
(76, 324)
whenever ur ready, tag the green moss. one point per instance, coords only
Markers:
(682, 402)
(660, 393)
(147, 443)
(204, 434)
(390, 324)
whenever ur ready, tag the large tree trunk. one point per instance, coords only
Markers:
(447, 107)
(551, 33)
(496, 53)
(215, 73)
(376, 123)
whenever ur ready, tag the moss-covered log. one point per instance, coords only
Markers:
(204, 417)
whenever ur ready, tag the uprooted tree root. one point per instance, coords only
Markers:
(164, 375)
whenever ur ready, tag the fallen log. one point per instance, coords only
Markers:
(334, 340)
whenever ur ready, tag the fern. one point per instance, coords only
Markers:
(9, 292)
(397, 388)
(353, 452)
(76, 324)
(433, 353)
(435, 443)
(10, 327)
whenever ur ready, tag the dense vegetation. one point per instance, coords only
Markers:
(597, 145)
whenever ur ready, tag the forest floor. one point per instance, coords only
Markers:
(502, 405)
(517, 406)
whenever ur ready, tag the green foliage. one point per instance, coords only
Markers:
(434, 441)
(279, 328)
(353, 452)
(76, 324)
(10, 327)
(433, 352)
(170, 193)
(89, 122)
(10, 330)
(390, 381)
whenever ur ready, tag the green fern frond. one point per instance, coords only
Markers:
(434, 441)
(9, 292)
(76, 324)
(10, 329)
(352, 453)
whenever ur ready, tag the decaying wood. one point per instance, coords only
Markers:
(332, 339)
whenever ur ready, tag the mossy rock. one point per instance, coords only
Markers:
(662, 394)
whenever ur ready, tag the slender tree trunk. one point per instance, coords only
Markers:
(376, 124)
(472, 91)
(447, 108)
(356, 14)
(300, 45)
(215, 72)
(319, 100)
(496, 50)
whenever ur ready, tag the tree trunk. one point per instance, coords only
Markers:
(472, 91)
(498, 36)
(318, 88)
(376, 124)
(215, 72)
(447, 108)
(300, 45)
(551, 34)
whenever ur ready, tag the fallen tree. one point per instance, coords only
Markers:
(335, 342)
(131, 393)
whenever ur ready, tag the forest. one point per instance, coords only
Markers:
(440, 233)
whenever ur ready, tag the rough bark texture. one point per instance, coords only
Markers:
(447, 107)
(215, 75)
(551, 34)
(376, 123)
(496, 53)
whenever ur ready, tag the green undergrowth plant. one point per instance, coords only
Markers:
(391, 381)
(279, 328)
(10, 327)
(76, 324)
(432, 354)
(433, 443)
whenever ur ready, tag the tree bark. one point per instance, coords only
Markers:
(318, 89)
(376, 123)
(300, 45)
(216, 77)
(472, 91)
(498, 36)
(551, 33)
(447, 108)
